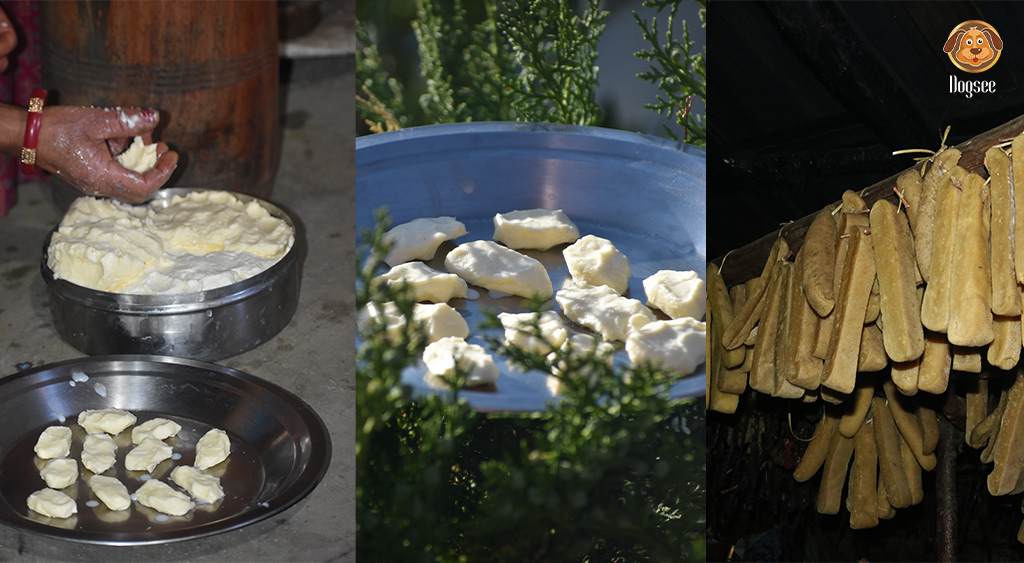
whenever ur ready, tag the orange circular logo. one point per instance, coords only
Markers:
(974, 46)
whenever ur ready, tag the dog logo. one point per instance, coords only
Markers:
(974, 46)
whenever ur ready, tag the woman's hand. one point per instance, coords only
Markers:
(79, 144)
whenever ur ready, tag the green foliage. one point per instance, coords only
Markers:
(679, 73)
(614, 471)
(556, 51)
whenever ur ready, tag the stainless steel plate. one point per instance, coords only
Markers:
(280, 447)
(644, 194)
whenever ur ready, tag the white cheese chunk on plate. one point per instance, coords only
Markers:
(99, 452)
(161, 497)
(204, 488)
(678, 294)
(439, 320)
(418, 239)
(111, 421)
(213, 448)
(493, 266)
(521, 330)
(54, 441)
(54, 504)
(60, 472)
(601, 309)
(677, 345)
(594, 260)
(159, 428)
(110, 491)
(538, 229)
(443, 357)
(426, 283)
(147, 455)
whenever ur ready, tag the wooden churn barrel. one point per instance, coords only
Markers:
(210, 67)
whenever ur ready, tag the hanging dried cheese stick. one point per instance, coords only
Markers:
(785, 354)
(718, 401)
(913, 472)
(909, 186)
(936, 362)
(873, 310)
(844, 222)
(906, 376)
(832, 396)
(762, 372)
(718, 299)
(890, 462)
(929, 428)
(970, 313)
(844, 345)
(1005, 295)
(909, 428)
(819, 251)
(976, 392)
(1004, 351)
(985, 430)
(818, 448)
(935, 308)
(894, 259)
(885, 509)
(872, 350)
(1017, 168)
(853, 203)
(862, 498)
(800, 367)
(925, 216)
(833, 474)
(1009, 445)
(737, 331)
(857, 407)
(967, 359)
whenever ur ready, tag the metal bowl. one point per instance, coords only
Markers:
(280, 448)
(645, 194)
(203, 325)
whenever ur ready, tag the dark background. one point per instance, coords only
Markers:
(811, 99)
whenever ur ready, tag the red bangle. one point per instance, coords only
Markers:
(35, 119)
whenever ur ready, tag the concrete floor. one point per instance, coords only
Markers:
(312, 357)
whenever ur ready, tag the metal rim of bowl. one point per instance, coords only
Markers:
(170, 304)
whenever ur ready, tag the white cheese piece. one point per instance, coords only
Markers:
(440, 359)
(205, 489)
(212, 449)
(538, 229)
(426, 283)
(111, 421)
(186, 243)
(55, 441)
(110, 491)
(495, 267)
(418, 239)
(437, 319)
(520, 330)
(139, 157)
(676, 346)
(579, 345)
(601, 309)
(99, 452)
(159, 496)
(60, 472)
(595, 261)
(54, 504)
(677, 294)
(159, 428)
(147, 455)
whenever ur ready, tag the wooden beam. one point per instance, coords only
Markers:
(747, 261)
